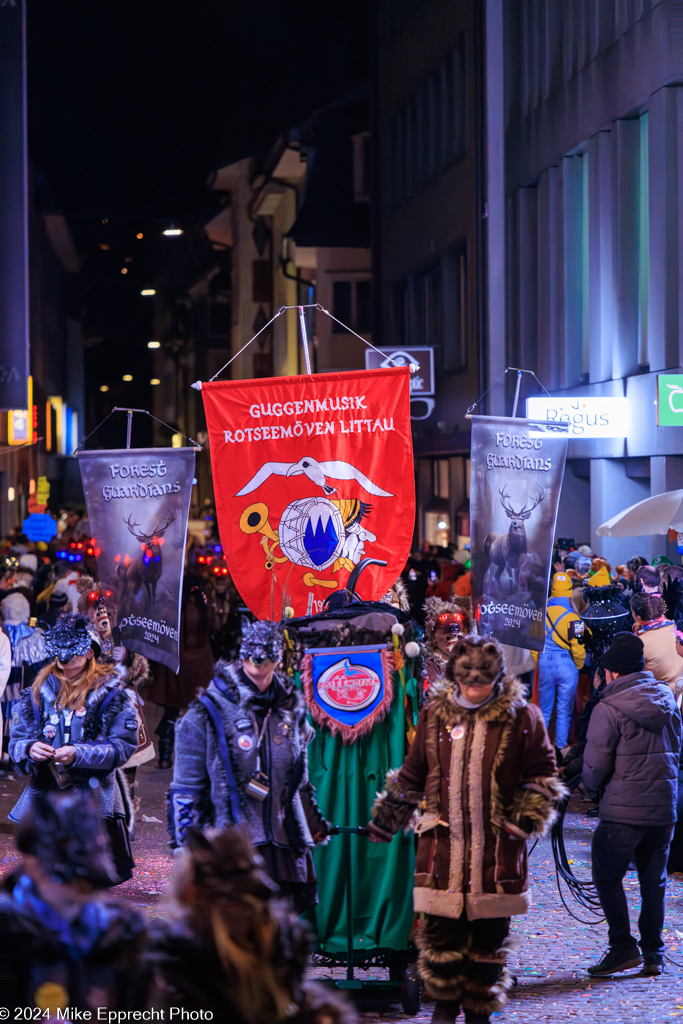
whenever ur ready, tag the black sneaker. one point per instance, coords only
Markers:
(616, 960)
(653, 964)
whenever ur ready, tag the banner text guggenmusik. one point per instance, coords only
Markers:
(312, 475)
(304, 428)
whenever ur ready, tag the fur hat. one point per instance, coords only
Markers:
(69, 638)
(15, 608)
(397, 595)
(475, 661)
(435, 606)
(261, 641)
(65, 833)
(91, 591)
(28, 562)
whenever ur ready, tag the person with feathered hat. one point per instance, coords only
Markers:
(241, 758)
(76, 726)
(485, 768)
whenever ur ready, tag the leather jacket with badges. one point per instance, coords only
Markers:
(229, 732)
(104, 734)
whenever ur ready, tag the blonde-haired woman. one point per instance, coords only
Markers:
(74, 728)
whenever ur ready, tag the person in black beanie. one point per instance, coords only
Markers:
(631, 764)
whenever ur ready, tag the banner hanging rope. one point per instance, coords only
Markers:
(312, 305)
(129, 412)
(508, 369)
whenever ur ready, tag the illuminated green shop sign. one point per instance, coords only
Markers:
(670, 399)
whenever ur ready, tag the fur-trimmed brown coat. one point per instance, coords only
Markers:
(475, 769)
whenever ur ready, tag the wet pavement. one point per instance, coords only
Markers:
(554, 948)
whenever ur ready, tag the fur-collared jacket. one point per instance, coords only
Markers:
(476, 770)
(104, 734)
(205, 791)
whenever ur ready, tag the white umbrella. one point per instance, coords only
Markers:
(658, 514)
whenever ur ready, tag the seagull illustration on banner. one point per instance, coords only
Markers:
(317, 472)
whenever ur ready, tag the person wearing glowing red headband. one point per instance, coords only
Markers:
(445, 622)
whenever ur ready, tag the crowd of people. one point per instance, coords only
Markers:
(498, 739)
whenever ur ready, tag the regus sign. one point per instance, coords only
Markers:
(587, 417)
(670, 399)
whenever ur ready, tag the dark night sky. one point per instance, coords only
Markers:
(132, 103)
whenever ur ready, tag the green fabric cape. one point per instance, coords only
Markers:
(347, 777)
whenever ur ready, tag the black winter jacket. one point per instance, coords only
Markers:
(632, 751)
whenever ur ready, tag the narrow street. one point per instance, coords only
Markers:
(554, 948)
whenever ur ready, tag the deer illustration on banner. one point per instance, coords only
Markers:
(312, 474)
(138, 502)
(517, 467)
(145, 570)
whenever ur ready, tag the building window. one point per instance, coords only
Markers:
(352, 304)
(585, 336)
(361, 167)
(399, 313)
(441, 478)
(454, 264)
(643, 240)
(427, 134)
(430, 309)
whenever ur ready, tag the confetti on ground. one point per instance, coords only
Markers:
(554, 948)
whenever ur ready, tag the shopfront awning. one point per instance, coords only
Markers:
(655, 515)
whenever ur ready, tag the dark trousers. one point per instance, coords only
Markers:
(615, 847)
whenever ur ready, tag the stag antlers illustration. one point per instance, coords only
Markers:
(508, 550)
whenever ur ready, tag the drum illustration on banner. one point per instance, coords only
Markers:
(301, 503)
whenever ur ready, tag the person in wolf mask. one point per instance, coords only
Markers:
(74, 726)
(241, 757)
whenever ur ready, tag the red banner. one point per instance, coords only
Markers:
(312, 474)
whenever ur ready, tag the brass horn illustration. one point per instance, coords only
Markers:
(254, 519)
